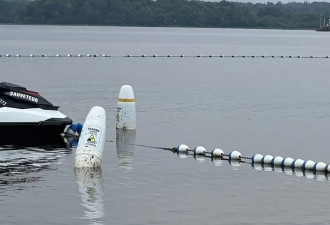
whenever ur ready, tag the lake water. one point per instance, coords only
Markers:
(277, 106)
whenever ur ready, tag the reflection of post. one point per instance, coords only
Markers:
(125, 140)
(90, 186)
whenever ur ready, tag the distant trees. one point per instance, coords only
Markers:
(165, 13)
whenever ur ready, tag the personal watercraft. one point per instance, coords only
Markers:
(26, 118)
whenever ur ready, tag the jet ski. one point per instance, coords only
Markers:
(26, 118)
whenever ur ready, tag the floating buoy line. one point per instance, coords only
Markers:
(298, 167)
(159, 56)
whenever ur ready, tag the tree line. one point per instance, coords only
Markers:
(180, 13)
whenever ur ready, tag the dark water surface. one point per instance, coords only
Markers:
(277, 106)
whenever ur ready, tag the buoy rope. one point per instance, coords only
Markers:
(159, 56)
(163, 148)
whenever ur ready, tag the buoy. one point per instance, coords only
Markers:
(263, 56)
(253, 56)
(31, 55)
(198, 56)
(243, 56)
(277, 161)
(129, 56)
(199, 150)
(91, 142)
(298, 163)
(88, 55)
(257, 158)
(235, 155)
(182, 148)
(327, 168)
(169, 56)
(273, 56)
(79, 55)
(287, 162)
(233, 56)
(154, 56)
(221, 56)
(69, 55)
(311, 56)
(58, 55)
(18, 55)
(217, 153)
(104, 55)
(267, 159)
(320, 166)
(181, 56)
(74, 129)
(7, 55)
(298, 56)
(126, 114)
(309, 165)
(43, 55)
(210, 56)
(143, 55)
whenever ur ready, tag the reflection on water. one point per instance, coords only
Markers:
(90, 186)
(22, 165)
(125, 145)
(298, 172)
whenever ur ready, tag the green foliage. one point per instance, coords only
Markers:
(165, 13)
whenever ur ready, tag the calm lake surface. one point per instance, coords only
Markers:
(278, 106)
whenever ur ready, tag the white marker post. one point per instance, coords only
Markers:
(126, 114)
(91, 142)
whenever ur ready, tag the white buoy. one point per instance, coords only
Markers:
(126, 114)
(309, 165)
(104, 55)
(58, 55)
(327, 168)
(320, 166)
(257, 158)
(298, 163)
(217, 153)
(267, 159)
(182, 148)
(199, 150)
(79, 55)
(91, 142)
(235, 155)
(69, 55)
(277, 161)
(18, 55)
(31, 55)
(287, 162)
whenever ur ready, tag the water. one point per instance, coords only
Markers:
(254, 105)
